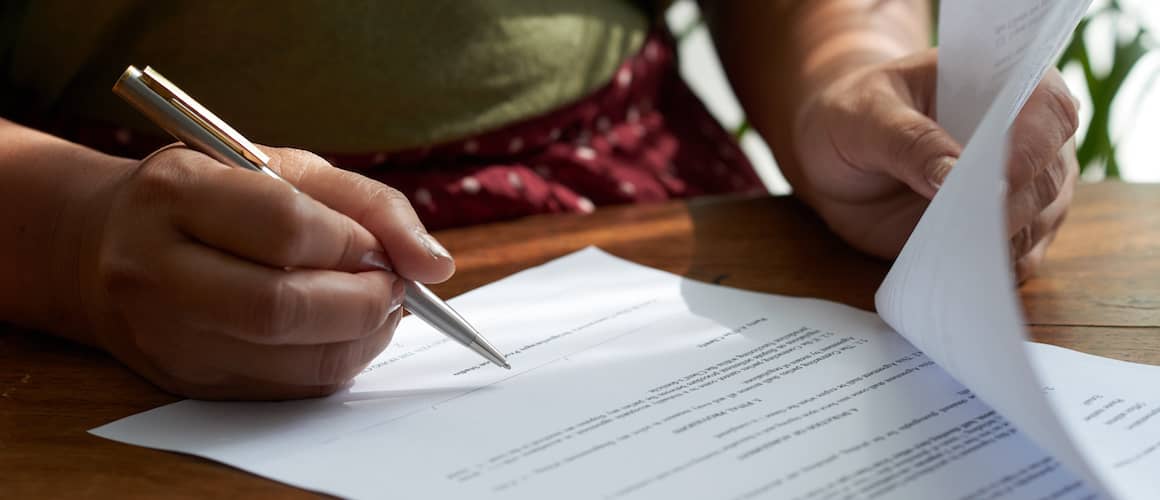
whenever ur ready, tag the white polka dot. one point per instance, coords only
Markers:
(585, 153)
(470, 147)
(470, 185)
(379, 158)
(624, 77)
(423, 197)
(554, 134)
(627, 188)
(632, 115)
(652, 52)
(585, 205)
(543, 171)
(516, 145)
(514, 179)
(123, 136)
(603, 124)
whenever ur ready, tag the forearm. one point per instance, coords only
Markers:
(47, 192)
(777, 53)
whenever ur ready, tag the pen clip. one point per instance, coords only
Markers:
(198, 113)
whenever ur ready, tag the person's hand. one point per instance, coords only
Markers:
(222, 283)
(872, 156)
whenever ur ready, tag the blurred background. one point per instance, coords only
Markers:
(1112, 65)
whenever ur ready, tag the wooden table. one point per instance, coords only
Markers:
(1099, 293)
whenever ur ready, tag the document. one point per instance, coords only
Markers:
(629, 382)
(633, 383)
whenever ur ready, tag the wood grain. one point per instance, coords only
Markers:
(1099, 293)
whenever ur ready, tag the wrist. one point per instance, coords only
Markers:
(54, 195)
(82, 223)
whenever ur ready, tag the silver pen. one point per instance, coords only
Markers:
(188, 121)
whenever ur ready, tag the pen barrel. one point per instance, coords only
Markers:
(422, 302)
(163, 113)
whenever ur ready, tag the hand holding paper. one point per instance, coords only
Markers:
(875, 156)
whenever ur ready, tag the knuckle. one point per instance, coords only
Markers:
(293, 163)
(1023, 241)
(289, 223)
(914, 136)
(380, 197)
(1027, 158)
(283, 306)
(388, 195)
(158, 180)
(1049, 184)
(1061, 105)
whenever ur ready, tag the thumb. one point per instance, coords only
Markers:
(907, 145)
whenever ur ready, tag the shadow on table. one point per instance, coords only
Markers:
(778, 245)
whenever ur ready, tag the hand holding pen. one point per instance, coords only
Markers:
(191, 287)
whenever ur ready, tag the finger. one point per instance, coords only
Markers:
(236, 388)
(1047, 121)
(264, 220)
(1027, 265)
(385, 212)
(1049, 194)
(269, 306)
(1024, 240)
(308, 366)
(896, 139)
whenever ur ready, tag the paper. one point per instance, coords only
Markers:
(986, 43)
(950, 292)
(632, 383)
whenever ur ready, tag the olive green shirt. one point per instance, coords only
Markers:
(329, 75)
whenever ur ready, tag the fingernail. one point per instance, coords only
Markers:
(375, 259)
(939, 171)
(432, 245)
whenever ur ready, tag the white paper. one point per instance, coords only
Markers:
(985, 43)
(631, 383)
(950, 292)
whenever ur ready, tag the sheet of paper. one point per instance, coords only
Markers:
(632, 383)
(982, 44)
(950, 292)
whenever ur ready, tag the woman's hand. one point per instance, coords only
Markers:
(872, 157)
(221, 283)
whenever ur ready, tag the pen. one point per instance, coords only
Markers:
(193, 124)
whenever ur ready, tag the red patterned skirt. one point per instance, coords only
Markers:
(643, 137)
